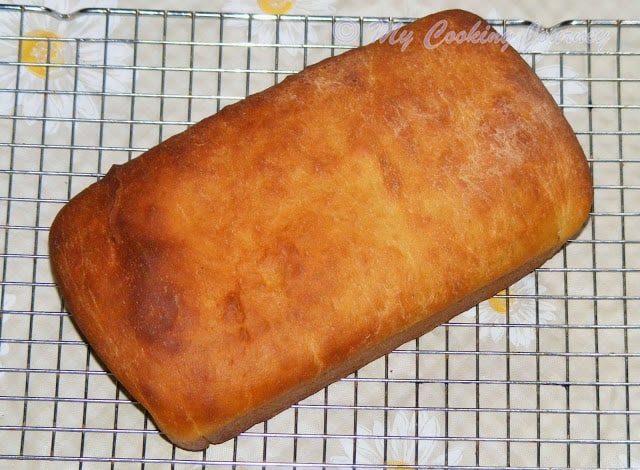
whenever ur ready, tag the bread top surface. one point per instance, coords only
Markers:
(277, 239)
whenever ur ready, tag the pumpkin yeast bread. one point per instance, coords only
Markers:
(294, 236)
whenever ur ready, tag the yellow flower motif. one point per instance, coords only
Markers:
(396, 465)
(387, 447)
(499, 302)
(276, 7)
(520, 306)
(41, 50)
(72, 73)
(294, 32)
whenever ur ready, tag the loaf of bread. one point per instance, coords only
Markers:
(294, 236)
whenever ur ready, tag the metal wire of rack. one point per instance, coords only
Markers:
(545, 375)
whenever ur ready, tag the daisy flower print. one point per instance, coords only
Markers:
(388, 449)
(519, 308)
(60, 66)
(288, 32)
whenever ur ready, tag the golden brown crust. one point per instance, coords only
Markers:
(291, 238)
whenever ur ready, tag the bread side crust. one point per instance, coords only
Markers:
(280, 404)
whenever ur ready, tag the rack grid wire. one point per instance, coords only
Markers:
(547, 374)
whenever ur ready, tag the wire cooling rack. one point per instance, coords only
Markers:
(545, 375)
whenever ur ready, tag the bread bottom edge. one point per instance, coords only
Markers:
(281, 403)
